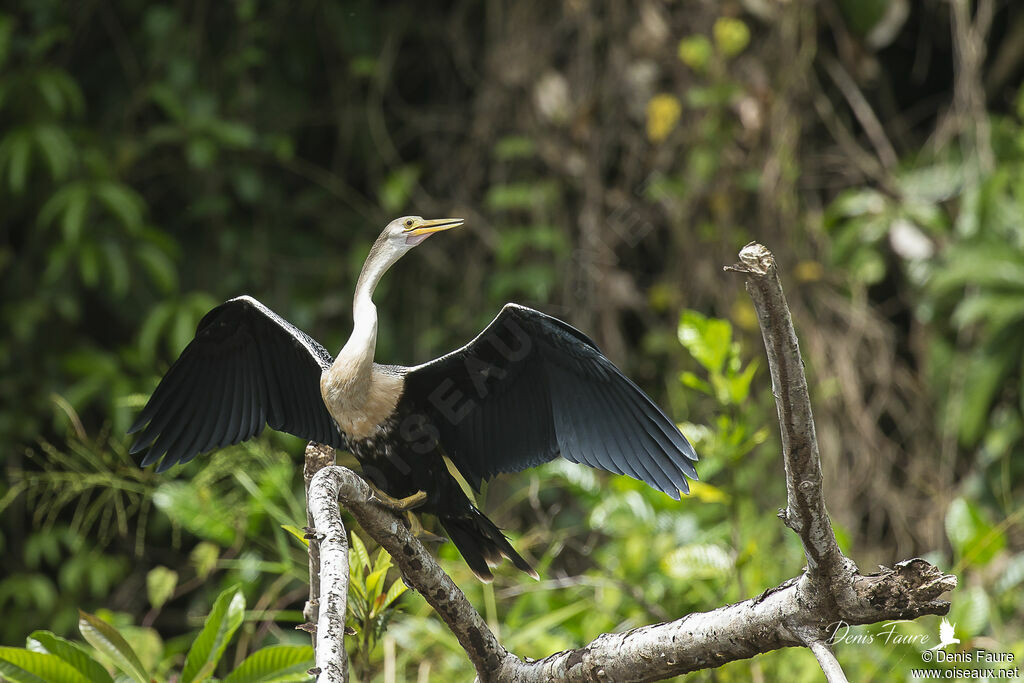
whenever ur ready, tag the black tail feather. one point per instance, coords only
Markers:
(482, 544)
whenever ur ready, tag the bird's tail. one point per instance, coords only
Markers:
(481, 543)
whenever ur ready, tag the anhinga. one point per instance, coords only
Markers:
(527, 389)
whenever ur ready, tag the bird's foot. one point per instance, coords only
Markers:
(399, 504)
(416, 529)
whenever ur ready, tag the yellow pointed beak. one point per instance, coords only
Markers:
(423, 227)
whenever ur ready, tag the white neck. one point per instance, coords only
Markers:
(348, 379)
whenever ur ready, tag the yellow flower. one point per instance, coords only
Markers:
(662, 116)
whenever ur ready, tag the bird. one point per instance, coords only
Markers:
(947, 635)
(527, 389)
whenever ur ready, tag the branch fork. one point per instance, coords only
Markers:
(798, 612)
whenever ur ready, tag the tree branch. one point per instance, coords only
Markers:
(804, 611)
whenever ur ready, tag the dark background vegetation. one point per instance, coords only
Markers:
(609, 158)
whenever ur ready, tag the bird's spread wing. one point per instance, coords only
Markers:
(245, 368)
(531, 387)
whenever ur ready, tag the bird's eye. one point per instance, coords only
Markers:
(408, 223)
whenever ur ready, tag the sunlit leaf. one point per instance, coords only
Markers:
(110, 643)
(707, 339)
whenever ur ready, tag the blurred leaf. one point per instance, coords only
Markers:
(934, 183)
(975, 540)
(160, 585)
(1012, 576)
(739, 384)
(698, 561)
(204, 558)
(691, 381)
(986, 371)
(546, 622)
(221, 624)
(970, 611)
(116, 268)
(110, 643)
(158, 266)
(56, 149)
(196, 511)
(274, 664)
(122, 201)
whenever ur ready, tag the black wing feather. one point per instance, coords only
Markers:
(245, 367)
(531, 387)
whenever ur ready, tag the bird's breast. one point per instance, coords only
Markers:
(361, 405)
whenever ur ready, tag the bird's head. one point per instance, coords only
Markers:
(400, 236)
(408, 231)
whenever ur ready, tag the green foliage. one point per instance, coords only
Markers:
(155, 160)
(372, 602)
(53, 659)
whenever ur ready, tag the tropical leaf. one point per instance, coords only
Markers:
(111, 644)
(224, 619)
